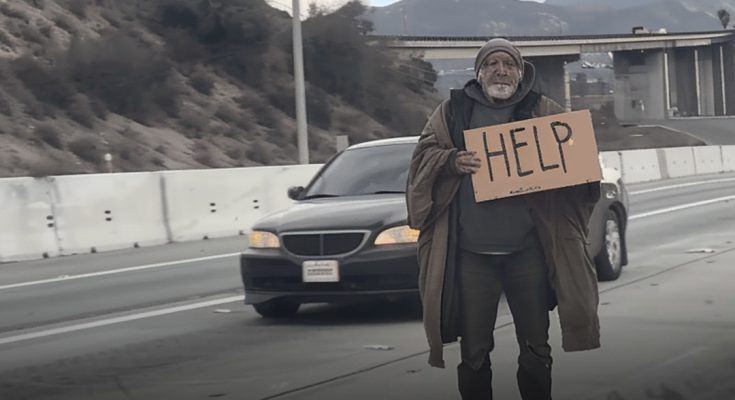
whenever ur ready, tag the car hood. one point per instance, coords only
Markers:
(337, 213)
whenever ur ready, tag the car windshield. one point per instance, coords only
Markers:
(367, 170)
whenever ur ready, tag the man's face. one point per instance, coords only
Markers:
(499, 75)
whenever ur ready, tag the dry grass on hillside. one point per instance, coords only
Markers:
(171, 85)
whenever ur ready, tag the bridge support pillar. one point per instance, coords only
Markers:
(641, 84)
(727, 77)
(552, 78)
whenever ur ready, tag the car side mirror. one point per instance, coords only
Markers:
(294, 192)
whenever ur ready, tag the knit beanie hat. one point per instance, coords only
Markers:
(494, 45)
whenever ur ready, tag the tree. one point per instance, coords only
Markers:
(315, 10)
(724, 17)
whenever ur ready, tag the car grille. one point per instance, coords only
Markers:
(393, 282)
(322, 244)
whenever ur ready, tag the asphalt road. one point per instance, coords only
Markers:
(139, 324)
(715, 131)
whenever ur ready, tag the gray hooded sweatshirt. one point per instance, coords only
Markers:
(512, 226)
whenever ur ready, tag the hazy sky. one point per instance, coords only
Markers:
(330, 4)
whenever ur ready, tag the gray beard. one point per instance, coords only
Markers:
(499, 91)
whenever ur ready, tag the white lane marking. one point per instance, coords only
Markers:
(681, 207)
(682, 185)
(117, 320)
(170, 263)
(115, 271)
(226, 300)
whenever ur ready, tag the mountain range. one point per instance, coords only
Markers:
(554, 17)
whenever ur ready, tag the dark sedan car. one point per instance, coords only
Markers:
(346, 236)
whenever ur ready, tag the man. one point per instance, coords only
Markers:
(532, 247)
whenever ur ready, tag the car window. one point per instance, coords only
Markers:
(362, 171)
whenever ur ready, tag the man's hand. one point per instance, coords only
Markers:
(466, 162)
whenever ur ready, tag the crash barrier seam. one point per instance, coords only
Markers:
(66, 215)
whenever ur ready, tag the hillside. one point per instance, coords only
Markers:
(177, 84)
(554, 17)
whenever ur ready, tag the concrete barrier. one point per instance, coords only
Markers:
(107, 212)
(226, 202)
(708, 159)
(728, 158)
(640, 166)
(78, 214)
(276, 190)
(612, 159)
(28, 224)
(679, 162)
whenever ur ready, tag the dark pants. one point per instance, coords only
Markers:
(523, 278)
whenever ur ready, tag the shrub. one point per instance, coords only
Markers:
(158, 161)
(34, 108)
(227, 114)
(200, 81)
(5, 39)
(50, 135)
(98, 108)
(318, 109)
(264, 114)
(46, 30)
(176, 15)
(5, 107)
(284, 101)
(86, 149)
(233, 34)
(111, 18)
(166, 97)
(47, 86)
(383, 115)
(65, 23)
(130, 78)
(234, 132)
(181, 47)
(78, 7)
(203, 154)
(131, 133)
(43, 168)
(39, 4)
(12, 12)
(195, 123)
(53, 166)
(340, 60)
(234, 153)
(126, 150)
(80, 111)
(16, 89)
(30, 34)
(259, 152)
(239, 121)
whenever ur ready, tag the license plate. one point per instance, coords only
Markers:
(321, 271)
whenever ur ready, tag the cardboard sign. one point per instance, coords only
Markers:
(534, 155)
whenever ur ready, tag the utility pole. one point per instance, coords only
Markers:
(298, 74)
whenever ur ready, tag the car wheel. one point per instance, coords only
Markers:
(277, 308)
(609, 260)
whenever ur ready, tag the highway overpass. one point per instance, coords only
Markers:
(657, 75)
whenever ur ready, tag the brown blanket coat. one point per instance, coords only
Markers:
(560, 217)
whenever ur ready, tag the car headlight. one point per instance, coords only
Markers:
(263, 240)
(398, 235)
